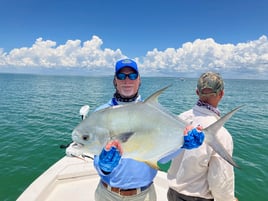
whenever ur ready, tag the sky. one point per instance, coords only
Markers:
(181, 38)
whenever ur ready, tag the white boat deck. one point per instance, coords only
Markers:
(75, 179)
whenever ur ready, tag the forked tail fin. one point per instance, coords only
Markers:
(211, 139)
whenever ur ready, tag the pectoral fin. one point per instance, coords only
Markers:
(123, 137)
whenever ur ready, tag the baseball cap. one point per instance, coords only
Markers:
(210, 80)
(126, 63)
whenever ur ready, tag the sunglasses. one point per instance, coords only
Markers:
(123, 76)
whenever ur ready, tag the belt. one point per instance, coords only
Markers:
(125, 192)
(174, 194)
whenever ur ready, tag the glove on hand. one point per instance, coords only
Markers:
(193, 138)
(110, 156)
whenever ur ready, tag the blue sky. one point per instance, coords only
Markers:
(178, 37)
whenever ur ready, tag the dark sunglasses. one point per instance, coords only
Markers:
(123, 76)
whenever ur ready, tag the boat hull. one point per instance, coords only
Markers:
(72, 178)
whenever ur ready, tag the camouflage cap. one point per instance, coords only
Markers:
(210, 80)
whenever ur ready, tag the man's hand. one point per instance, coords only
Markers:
(110, 156)
(114, 143)
(193, 137)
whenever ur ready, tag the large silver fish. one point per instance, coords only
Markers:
(147, 131)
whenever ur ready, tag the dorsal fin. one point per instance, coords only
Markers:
(154, 97)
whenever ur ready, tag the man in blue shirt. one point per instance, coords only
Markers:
(125, 178)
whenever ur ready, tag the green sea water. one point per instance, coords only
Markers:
(38, 113)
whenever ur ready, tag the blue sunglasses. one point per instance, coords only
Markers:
(123, 76)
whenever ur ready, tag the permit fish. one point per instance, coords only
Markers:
(147, 131)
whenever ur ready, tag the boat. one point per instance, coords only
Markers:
(75, 178)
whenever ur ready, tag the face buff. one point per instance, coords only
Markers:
(209, 107)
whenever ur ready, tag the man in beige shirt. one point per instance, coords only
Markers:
(201, 174)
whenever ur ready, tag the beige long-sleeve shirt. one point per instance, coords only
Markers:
(202, 172)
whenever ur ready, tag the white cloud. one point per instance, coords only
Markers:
(202, 55)
(71, 54)
(192, 58)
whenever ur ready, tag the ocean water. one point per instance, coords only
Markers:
(38, 113)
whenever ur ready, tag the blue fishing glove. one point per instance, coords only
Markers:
(108, 160)
(193, 139)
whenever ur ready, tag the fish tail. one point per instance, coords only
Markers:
(212, 140)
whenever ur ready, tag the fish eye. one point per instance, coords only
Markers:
(85, 137)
